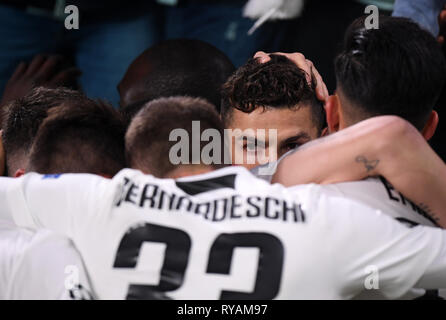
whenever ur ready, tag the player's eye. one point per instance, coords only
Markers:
(291, 146)
(249, 146)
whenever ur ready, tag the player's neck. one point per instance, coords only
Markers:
(188, 170)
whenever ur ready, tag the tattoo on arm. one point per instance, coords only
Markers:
(368, 164)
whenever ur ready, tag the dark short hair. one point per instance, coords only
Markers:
(278, 83)
(183, 67)
(80, 136)
(147, 138)
(398, 69)
(22, 119)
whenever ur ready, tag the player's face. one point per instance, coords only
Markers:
(285, 129)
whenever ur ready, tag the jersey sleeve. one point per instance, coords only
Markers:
(50, 269)
(63, 203)
(371, 251)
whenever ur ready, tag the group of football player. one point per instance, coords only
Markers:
(350, 204)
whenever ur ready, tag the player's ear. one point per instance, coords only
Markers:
(332, 110)
(431, 125)
(19, 173)
(325, 132)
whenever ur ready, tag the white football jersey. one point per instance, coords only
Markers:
(39, 265)
(226, 235)
(380, 194)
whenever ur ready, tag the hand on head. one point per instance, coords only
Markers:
(43, 70)
(306, 65)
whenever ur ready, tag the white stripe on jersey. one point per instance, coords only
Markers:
(226, 234)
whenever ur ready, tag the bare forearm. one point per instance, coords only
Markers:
(349, 155)
(427, 190)
(385, 146)
(418, 172)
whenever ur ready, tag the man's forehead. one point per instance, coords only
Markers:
(270, 118)
(282, 125)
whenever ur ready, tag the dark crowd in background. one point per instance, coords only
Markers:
(113, 33)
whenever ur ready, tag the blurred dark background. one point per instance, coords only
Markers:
(113, 33)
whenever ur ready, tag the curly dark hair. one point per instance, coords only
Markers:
(278, 83)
